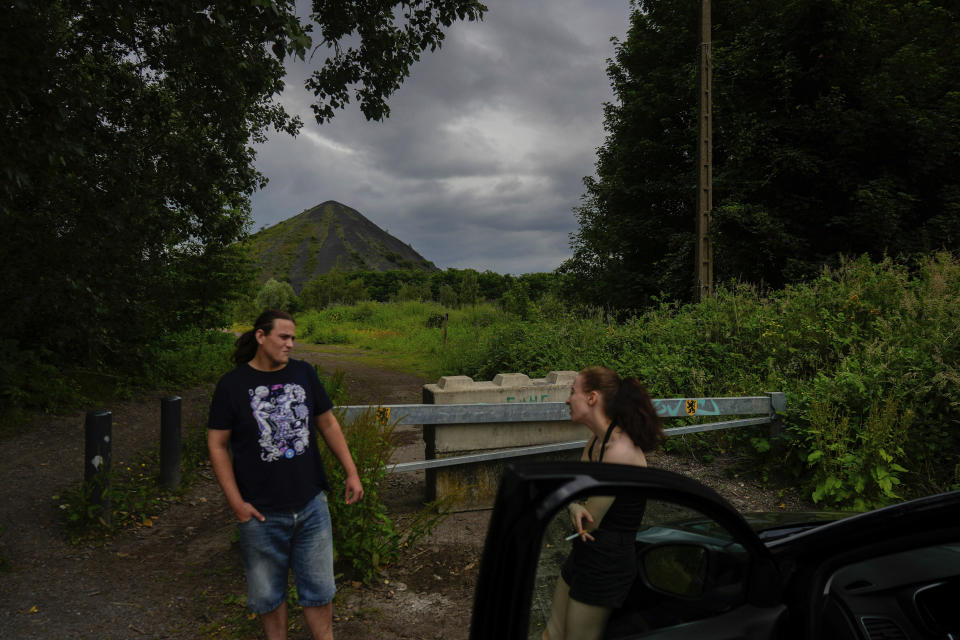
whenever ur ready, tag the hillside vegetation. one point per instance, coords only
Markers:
(867, 353)
(325, 237)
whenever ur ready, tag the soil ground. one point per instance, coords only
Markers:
(181, 578)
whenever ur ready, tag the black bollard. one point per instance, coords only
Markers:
(96, 459)
(170, 442)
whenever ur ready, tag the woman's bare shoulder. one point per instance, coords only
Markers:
(624, 452)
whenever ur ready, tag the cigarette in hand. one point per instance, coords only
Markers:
(572, 536)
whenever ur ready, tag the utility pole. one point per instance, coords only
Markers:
(704, 253)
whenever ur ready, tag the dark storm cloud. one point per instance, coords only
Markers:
(482, 159)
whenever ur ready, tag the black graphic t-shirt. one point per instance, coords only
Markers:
(271, 418)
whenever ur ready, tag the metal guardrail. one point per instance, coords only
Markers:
(765, 407)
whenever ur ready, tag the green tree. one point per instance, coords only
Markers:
(336, 285)
(314, 294)
(128, 147)
(448, 297)
(276, 295)
(516, 301)
(332, 287)
(413, 291)
(211, 281)
(492, 285)
(835, 129)
(355, 291)
(469, 287)
(380, 285)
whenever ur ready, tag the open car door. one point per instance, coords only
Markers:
(701, 571)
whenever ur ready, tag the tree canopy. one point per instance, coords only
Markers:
(836, 128)
(128, 132)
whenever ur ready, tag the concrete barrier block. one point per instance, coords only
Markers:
(505, 387)
(449, 383)
(476, 483)
(511, 380)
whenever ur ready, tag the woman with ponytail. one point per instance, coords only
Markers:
(601, 567)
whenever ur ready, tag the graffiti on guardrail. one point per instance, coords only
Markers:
(543, 397)
(682, 407)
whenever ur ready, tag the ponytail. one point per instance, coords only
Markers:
(627, 403)
(246, 345)
(635, 414)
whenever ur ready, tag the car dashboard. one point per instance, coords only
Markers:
(910, 595)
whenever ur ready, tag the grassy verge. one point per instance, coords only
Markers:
(408, 336)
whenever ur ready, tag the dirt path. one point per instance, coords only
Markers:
(180, 578)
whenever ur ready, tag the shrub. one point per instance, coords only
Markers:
(365, 538)
(276, 295)
(868, 353)
(30, 382)
(448, 297)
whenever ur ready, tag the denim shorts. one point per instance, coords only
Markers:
(299, 540)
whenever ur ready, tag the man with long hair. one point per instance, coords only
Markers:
(265, 410)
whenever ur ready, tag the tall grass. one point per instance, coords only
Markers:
(868, 354)
(411, 331)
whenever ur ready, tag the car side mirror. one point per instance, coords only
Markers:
(676, 569)
(713, 575)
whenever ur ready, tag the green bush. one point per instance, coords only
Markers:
(448, 297)
(365, 538)
(335, 386)
(276, 295)
(868, 354)
(185, 358)
(30, 382)
(858, 466)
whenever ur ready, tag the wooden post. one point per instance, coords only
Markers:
(97, 451)
(704, 251)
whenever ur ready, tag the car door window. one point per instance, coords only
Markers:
(688, 567)
(693, 567)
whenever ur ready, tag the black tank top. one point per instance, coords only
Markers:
(626, 512)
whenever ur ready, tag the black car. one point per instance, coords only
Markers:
(705, 571)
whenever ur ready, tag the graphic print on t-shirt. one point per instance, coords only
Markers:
(282, 418)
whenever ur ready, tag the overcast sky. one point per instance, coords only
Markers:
(482, 159)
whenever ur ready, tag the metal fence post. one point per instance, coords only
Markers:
(170, 439)
(96, 459)
(778, 404)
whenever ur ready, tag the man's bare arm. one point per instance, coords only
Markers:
(332, 434)
(217, 443)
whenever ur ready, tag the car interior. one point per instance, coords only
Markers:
(692, 578)
(908, 595)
